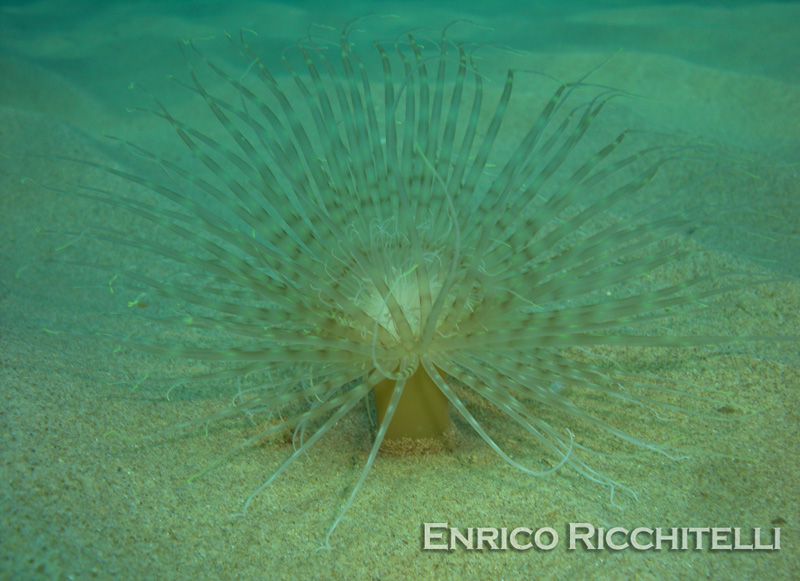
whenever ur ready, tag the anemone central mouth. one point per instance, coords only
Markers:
(405, 290)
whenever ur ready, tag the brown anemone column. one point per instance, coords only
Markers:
(422, 412)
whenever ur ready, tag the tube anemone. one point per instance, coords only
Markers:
(347, 233)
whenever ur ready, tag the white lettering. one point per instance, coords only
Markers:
(737, 541)
(537, 538)
(487, 535)
(699, 531)
(466, 542)
(635, 539)
(582, 531)
(516, 544)
(441, 537)
(672, 537)
(611, 544)
(429, 535)
(719, 535)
